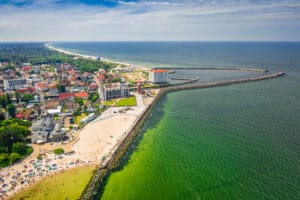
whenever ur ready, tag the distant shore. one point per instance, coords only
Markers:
(92, 57)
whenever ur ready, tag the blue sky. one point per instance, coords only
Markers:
(141, 20)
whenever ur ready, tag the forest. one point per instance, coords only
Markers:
(38, 53)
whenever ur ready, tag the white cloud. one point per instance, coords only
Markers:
(151, 20)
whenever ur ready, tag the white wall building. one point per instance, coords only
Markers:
(158, 76)
(115, 90)
(15, 83)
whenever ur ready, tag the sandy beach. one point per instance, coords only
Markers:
(97, 141)
(95, 144)
(94, 57)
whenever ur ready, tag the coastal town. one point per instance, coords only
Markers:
(65, 111)
(77, 118)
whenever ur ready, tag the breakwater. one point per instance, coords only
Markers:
(103, 171)
(215, 68)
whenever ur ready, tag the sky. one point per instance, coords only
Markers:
(152, 20)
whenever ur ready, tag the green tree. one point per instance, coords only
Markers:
(93, 97)
(76, 113)
(61, 88)
(17, 97)
(4, 159)
(3, 149)
(79, 101)
(11, 109)
(27, 97)
(19, 147)
(13, 157)
(5, 100)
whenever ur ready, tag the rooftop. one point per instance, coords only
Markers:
(159, 70)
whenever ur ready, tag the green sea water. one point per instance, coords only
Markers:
(208, 145)
(232, 142)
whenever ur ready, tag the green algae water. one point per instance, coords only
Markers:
(231, 142)
(216, 148)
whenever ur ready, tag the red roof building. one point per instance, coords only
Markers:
(158, 70)
(63, 96)
(83, 95)
(20, 116)
(158, 76)
(26, 90)
(41, 86)
(26, 68)
(93, 86)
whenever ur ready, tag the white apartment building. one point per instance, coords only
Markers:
(158, 76)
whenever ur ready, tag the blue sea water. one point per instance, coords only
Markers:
(233, 142)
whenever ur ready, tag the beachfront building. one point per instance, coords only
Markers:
(158, 76)
(57, 134)
(114, 90)
(41, 130)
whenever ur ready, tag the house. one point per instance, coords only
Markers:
(51, 104)
(101, 78)
(20, 116)
(70, 107)
(66, 96)
(83, 95)
(41, 87)
(54, 111)
(52, 88)
(92, 87)
(30, 90)
(26, 69)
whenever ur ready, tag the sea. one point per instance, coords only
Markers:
(231, 142)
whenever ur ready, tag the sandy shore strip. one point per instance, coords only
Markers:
(97, 142)
(95, 57)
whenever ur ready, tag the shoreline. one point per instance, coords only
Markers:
(90, 57)
(120, 147)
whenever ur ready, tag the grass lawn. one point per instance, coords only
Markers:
(109, 102)
(78, 118)
(130, 101)
(67, 185)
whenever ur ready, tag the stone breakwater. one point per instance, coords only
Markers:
(217, 68)
(102, 172)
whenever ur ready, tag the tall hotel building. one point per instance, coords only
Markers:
(158, 76)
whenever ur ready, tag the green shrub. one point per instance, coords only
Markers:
(59, 151)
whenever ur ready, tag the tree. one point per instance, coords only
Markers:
(93, 97)
(11, 109)
(61, 88)
(76, 113)
(19, 147)
(13, 157)
(79, 101)
(17, 97)
(27, 97)
(5, 100)
(4, 159)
